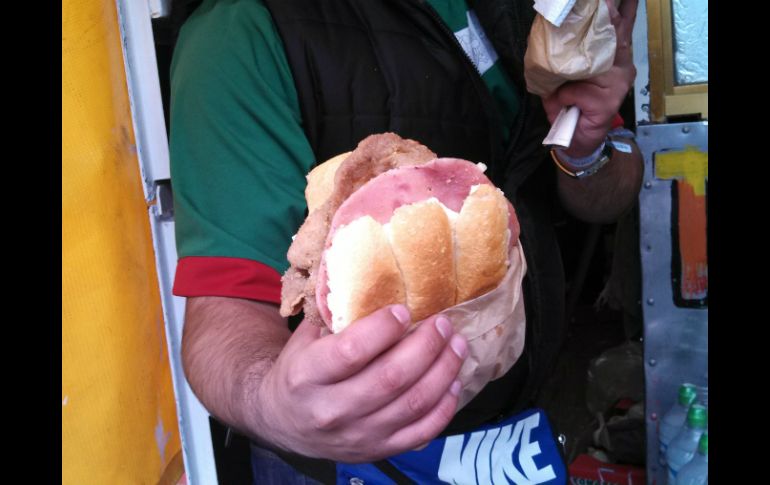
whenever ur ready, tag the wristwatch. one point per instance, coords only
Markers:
(589, 169)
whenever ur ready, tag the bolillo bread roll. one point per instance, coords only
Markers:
(320, 181)
(481, 232)
(366, 275)
(421, 238)
(429, 236)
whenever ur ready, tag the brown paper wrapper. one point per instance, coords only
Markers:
(493, 325)
(581, 48)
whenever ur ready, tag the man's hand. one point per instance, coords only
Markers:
(368, 392)
(365, 393)
(600, 97)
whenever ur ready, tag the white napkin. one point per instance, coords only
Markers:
(554, 11)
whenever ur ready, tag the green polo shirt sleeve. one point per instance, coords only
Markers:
(238, 153)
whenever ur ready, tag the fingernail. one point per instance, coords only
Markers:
(443, 326)
(401, 313)
(459, 346)
(455, 388)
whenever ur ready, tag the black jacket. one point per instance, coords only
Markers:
(363, 67)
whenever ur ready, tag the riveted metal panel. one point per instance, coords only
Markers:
(675, 336)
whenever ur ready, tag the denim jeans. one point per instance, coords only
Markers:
(268, 469)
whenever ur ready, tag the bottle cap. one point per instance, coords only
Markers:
(697, 416)
(687, 394)
(703, 444)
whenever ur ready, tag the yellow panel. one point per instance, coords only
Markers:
(690, 164)
(119, 421)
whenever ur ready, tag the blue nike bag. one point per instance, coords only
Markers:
(518, 450)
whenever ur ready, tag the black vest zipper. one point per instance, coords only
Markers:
(493, 116)
(497, 169)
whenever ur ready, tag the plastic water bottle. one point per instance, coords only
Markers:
(697, 471)
(674, 419)
(682, 448)
(702, 395)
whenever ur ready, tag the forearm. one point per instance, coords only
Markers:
(228, 346)
(609, 193)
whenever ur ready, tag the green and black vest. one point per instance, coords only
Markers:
(363, 67)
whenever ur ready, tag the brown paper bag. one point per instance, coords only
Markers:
(582, 47)
(494, 326)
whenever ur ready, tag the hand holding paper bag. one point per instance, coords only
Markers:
(582, 47)
(585, 63)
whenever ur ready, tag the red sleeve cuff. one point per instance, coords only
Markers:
(232, 277)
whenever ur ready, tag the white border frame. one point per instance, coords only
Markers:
(149, 124)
